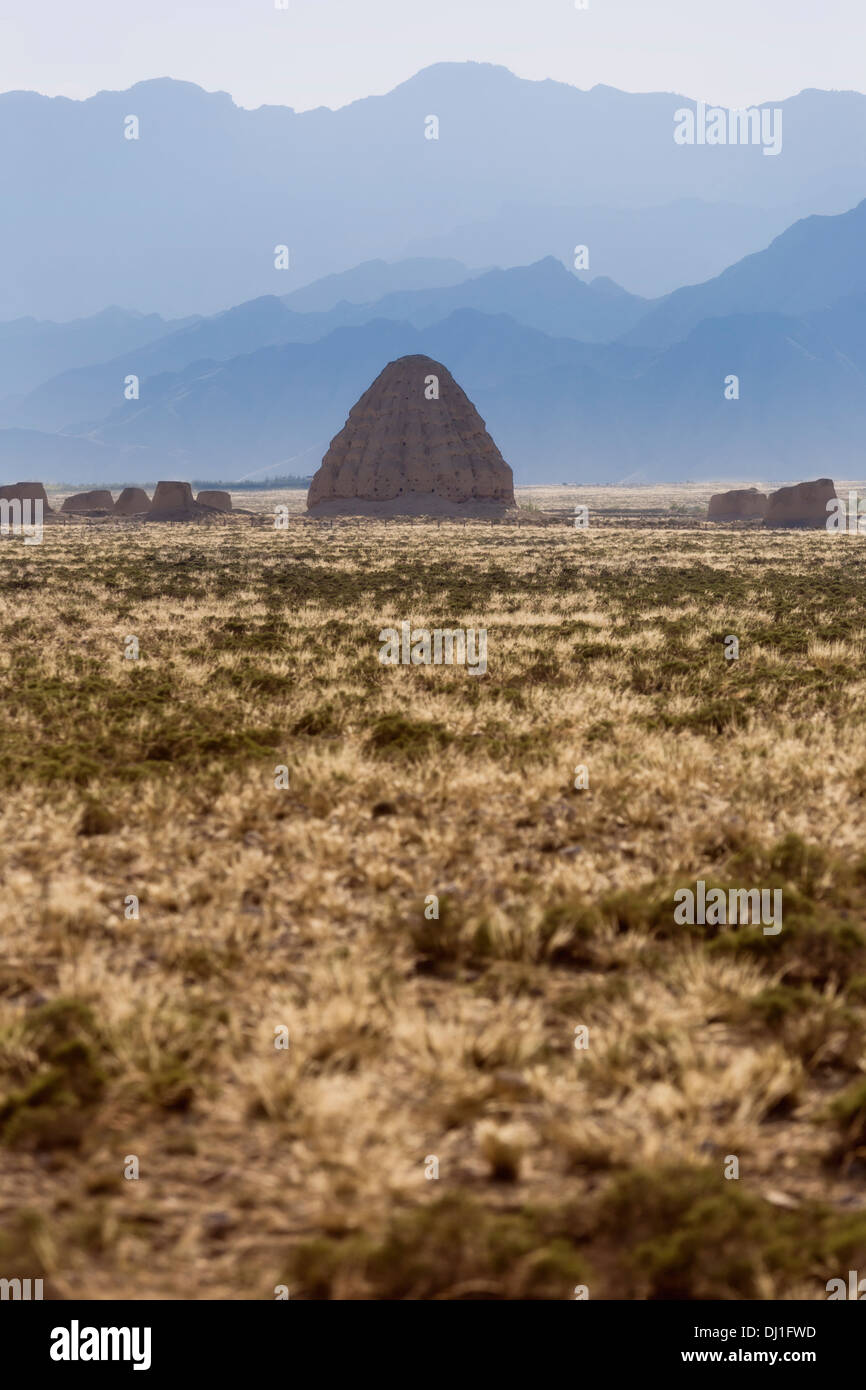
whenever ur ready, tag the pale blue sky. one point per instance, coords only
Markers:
(329, 52)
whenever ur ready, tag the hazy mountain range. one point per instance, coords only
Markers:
(578, 378)
(185, 218)
(544, 296)
(263, 388)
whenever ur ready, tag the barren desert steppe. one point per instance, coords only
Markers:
(217, 861)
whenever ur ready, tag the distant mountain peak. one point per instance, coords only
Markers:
(175, 89)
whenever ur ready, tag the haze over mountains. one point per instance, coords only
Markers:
(31, 350)
(545, 297)
(812, 264)
(578, 378)
(185, 219)
(262, 388)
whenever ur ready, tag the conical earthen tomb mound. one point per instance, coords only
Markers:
(414, 445)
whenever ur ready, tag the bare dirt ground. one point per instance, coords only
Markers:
(289, 906)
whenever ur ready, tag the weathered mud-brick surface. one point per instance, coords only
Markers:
(88, 502)
(132, 502)
(804, 504)
(402, 452)
(174, 501)
(739, 505)
(220, 501)
(22, 491)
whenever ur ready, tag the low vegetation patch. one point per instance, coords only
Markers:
(374, 971)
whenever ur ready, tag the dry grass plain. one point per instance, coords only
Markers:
(303, 908)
